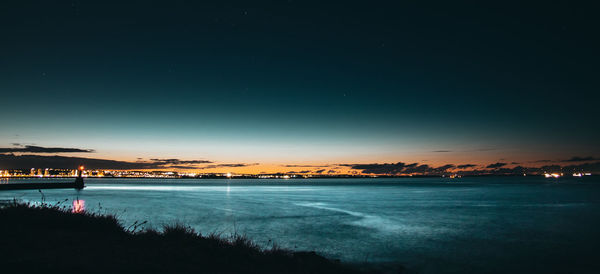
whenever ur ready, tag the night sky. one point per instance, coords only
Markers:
(291, 85)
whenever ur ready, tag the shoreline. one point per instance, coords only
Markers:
(53, 237)
(299, 178)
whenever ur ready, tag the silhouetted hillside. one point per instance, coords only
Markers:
(51, 239)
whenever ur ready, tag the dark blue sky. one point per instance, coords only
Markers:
(293, 81)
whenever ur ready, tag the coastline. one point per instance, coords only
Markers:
(53, 238)
(297, 178)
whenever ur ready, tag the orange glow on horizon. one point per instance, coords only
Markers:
(336, 165)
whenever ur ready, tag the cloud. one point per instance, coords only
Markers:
(180, 162)
(412, 165)
(301, 172)
(445, 167)
(496, 165)
(228, 165)
(442, 151)
(20, 144)
(305, 165)
(542, 161)
(10, 161)
(581, 159)
(380, 168)
(176, 163)
(319, 171)
(38, 149)
(184, 167)
(401, 168)
(498, 168)
(418, 169)
(585, 167)
(237, 165)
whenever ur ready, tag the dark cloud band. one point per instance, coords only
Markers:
(38, 149)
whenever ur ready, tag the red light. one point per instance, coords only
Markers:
(78, 206)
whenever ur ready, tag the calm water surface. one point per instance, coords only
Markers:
(432, 225)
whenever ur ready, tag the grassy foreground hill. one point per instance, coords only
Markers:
(51, 239)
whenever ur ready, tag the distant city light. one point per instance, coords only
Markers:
(551, 175)
(108, 173)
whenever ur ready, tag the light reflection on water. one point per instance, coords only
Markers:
(434, 226)
(193, 188)
(78, 206)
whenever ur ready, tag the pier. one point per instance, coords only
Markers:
(77, 184)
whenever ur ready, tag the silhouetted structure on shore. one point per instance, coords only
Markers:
(78, 184)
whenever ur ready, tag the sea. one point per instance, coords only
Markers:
(427, 225)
